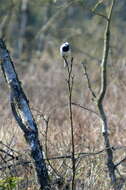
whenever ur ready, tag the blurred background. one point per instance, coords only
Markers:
(33, 31)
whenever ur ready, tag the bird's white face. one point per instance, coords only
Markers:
(65, 49)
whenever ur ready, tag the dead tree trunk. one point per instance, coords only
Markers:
(22, 113)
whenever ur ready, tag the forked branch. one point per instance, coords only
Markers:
(100, 98)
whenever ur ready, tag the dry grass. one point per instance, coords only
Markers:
(44, 83)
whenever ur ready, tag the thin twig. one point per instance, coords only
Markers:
(46, 120)
(88, 81)
(7, 154)
(99, 14)
(120, 162)
(77, 156)
(8, 147)
(85, 108)
(70, 82)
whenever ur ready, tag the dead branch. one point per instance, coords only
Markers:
(88, 81)
(85, 108)
(22, 114)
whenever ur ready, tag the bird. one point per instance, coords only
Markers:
(65, 51)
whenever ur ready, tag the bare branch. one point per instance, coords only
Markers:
(88, 81)
(120, 162)
(105, 56)
(46, 120)
(79, 155)
(85, 108)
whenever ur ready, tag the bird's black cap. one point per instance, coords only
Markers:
(66, 48)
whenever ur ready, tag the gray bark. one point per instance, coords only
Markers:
(22, 113)
(110, 162)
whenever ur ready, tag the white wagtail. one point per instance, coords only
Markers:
(65, 51)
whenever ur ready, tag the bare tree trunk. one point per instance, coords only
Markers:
(22, 113)
(110, 163)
